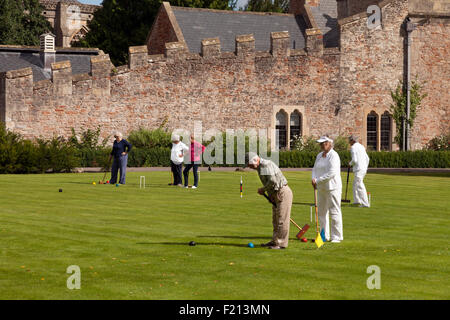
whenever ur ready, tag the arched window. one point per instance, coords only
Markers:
(281, 130)
(295, 126)
(372, 131)
(386, 132)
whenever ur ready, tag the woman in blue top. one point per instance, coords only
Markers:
(120, 151)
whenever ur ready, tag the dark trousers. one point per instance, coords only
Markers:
(119, 163)
(176, 170)
(186, 173)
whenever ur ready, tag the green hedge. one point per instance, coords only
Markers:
(160, 157)
(155, 157)
(400, 159)
(410, 159)
(18, 155)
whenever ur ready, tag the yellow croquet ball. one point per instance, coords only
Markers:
(93, 183)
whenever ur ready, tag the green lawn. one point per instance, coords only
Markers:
(133, 244)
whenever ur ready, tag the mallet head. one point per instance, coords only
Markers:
(303, 231)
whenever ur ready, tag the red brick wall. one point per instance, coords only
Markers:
(162, 32)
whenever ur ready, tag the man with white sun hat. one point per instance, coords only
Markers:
(360, 163)
(326, 178)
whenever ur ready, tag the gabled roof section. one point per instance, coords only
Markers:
(197, 24)
(14, 58)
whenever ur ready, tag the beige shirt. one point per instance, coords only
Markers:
(271, 176)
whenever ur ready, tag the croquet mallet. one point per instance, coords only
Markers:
(106, 171)
(346, 188)
(302, 230)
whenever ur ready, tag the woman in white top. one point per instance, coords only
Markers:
(326, 177)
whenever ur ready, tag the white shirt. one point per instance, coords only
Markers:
(177, 153)
(327, 171)
(360, 159)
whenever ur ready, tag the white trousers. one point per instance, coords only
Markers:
(359, 189)
(329, 206)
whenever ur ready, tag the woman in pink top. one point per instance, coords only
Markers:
(196, 150)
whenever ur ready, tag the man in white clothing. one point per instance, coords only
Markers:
(360, 163)
(177, 158)
(326, 178)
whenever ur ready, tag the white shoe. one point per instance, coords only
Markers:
(335, 241)
(194, 187)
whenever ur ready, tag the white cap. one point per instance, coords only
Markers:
(175, 137)
(324, 138)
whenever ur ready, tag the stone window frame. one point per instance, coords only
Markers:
(377, 130)
(286, 124)
(288, 110)
(391, 122)
(379, 112)
(300, 116)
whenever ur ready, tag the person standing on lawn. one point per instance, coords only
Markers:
(326, 178)
(121, 148)
(176, 159)
(360, 163)
(196, 150)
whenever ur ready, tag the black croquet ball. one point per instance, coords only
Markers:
(192, 243)
(60, 190)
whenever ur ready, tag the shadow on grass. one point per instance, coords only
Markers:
(235, 237)
(197, 244)
(267, 239)
(127, 184)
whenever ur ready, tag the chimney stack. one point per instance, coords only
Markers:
(47, 51)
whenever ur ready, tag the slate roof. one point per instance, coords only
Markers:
(326, 17)
(19, 58)
(198, 24)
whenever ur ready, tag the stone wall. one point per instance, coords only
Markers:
(348, 8)
(371, 66)
(373, 63)
(242, 89)
(333, 89)
(431, 65)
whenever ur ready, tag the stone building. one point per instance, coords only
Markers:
(68, 18)
(319, 69)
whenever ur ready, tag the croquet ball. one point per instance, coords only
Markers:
(93, 183)
(192, 243)
(117, 184)
(313, 240)
(60, 190)
(304, 240)
(107, 181)
(251, 245)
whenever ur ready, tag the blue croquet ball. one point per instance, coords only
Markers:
(117, 184)
(192, 243)
(251, 245)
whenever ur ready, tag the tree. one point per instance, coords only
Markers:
(119, 24)
(22, 22)
(281, 6)
(398, 108)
